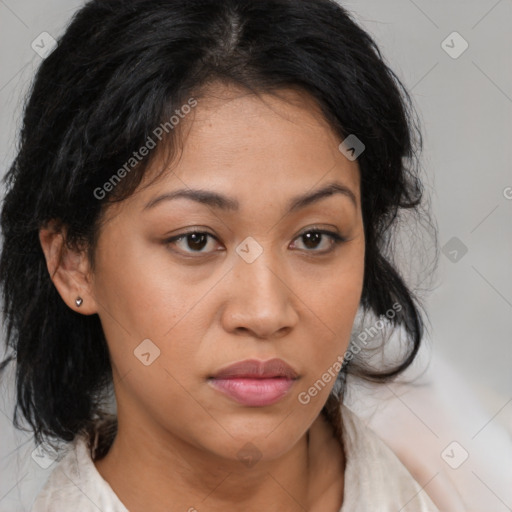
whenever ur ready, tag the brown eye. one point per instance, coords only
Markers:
(191, 242)
(196, 241)
(313, 238)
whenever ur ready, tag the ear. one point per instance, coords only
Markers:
(69, 269)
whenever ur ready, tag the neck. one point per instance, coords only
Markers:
(162, 473)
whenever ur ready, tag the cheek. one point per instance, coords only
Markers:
(331, 329)
(332, 305)
(333, 292)
(153, 317)
(140, 291)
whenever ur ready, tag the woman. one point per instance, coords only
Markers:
(201, 203)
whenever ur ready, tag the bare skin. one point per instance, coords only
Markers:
(178, 443)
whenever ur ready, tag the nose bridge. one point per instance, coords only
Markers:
(261, 301)
(256, 268)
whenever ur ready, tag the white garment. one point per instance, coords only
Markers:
(375, 479)
(442, 435)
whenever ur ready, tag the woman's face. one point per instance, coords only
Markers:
(258, 284)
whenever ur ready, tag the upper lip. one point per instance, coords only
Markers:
(252, 368)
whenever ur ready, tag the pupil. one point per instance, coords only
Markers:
(312, 237)
(195, 243)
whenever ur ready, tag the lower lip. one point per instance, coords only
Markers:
(254, 392)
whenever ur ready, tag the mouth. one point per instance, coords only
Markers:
(255, 383)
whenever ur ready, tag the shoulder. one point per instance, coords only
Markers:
(374, 476)
(75, 482)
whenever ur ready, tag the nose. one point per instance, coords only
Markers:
(261, 301)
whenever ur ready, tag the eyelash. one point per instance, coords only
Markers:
(335, 237)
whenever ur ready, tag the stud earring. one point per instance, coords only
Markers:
(78, 301)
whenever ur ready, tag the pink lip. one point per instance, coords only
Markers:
(255, 383)
(254, 392)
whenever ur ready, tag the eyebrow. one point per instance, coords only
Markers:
(219, 201)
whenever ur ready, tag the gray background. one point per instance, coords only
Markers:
(466, 108)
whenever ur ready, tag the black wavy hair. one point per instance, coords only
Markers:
(120, 69)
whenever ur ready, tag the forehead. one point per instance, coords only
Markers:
(258, 149)
(286, 124)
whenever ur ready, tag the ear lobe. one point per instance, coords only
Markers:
(69, 270)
